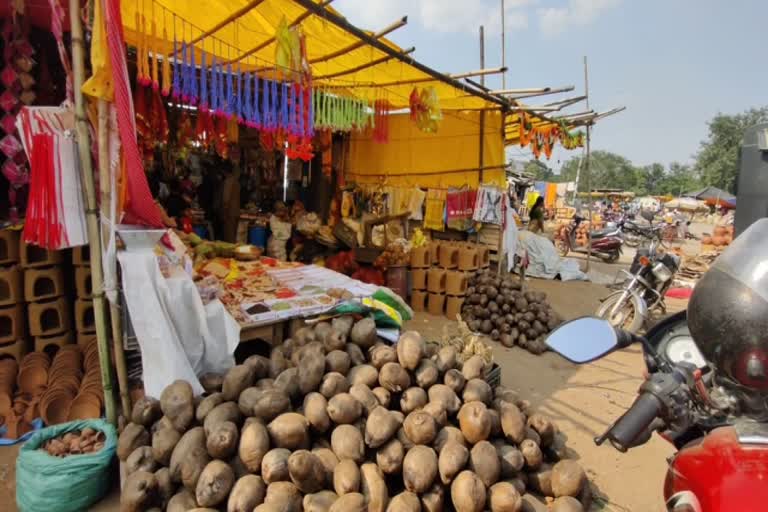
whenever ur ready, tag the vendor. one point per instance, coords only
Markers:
(227, 202)
(536, 223)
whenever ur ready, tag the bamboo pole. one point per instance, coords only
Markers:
(534, 92)
(226, 21)
(481, 156)
(367, 65)
(478, 72)
(105, 182)
(86, 166)
(354, 46)
(503, 46)
(586, 167)
(306, 14)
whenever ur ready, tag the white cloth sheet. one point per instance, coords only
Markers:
(180, 338)
(545, 262)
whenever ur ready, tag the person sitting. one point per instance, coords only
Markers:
(536, 222)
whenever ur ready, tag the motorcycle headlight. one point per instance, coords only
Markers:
(662, 272)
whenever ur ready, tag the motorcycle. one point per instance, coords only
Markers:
(650, 276)
(706, 384)
(606, 243)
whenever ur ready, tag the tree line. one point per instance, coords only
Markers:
(716, 163)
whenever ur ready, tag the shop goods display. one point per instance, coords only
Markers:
(543, 138)
(722, 236)
(497, 307)
(337, 420)
(76, 442)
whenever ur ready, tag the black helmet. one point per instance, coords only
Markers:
(728, 311)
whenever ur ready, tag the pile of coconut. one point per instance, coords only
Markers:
(338, 420)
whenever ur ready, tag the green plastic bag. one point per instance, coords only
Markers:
(66, 484)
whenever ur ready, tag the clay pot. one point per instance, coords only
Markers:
(456, 283)
(435, 303)
(5, 404)
(453, 307)
(84, 407)
(449, 256)
(54, 408)
(33, 379)
(418, 279)
(418, 300)
(420, 257)
(436, 280)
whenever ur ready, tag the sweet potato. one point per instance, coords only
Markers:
(140, 460)
(437, 412)
(567, 478)
(474, 422)
(254, 444)
(214, 484)
(305, 335)
(434, 499)
(419, 468)
(363, 374)
(473, 368)
(146, 411)
(503, 497)
(346, 477)
(532, 454)
(412, 399)
(347, 443)
(420, 427)
(533, 436)
(567, 504)
(165, 487)
(446, 435)
(268, 507)
(394, 378)
(266, 404)
(189, 458)
(365, 396)
(544, 427)
(306, 471)
(510, 458)
(283, 495)
(356, 356)
(163, 443)
(445, 359)
(344, 409)
(289, 430)
(332, 384)
(260, 365)
(380, 427)
(267, 383)
(277, 363)
(477, 390)
(207, 404)
(321, 330)
(182, 501)
(314, 348)
(335, 340)
(314, 410)
(502, 394)
(177, 404)
(390, 457)
(484, 462)
(496, 431)
(247, 493)
(343, 324)
(541, 480)
(455, 380)
(139, 491)
(274, 465)
(222, 442)
(352, 502)
(236, 380)
(337, 361)
(363, 333)
(319, 501)
(227, 411)
(410, 350)
(453, 458)
(311, 368)
(468, 493)
(405, 502)
(382, 395)
(382, 355)
(132, 437)
(446, 397)
(329, 461)
(426, 374)
(512, 422)
(373, 487)
(288, 381)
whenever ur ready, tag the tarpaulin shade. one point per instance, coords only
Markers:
(188, 19)
(448, 158)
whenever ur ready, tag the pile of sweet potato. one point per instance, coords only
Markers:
(75, 443)
(337, 420)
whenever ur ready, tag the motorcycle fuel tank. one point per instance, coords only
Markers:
(726, 471)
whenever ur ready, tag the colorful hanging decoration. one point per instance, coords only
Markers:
(543, 138)
(340, 113)
(425, 109)
(381, 109)
(155, 52)
(166, 67)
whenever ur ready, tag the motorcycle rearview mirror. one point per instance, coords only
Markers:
(585, 339)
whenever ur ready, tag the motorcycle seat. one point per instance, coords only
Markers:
(602, 233)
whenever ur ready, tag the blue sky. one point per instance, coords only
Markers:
(674, 64)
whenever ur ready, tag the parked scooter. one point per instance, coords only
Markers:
(707, 374)
(649, 277)
(606, 243)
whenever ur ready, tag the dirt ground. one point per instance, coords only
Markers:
(582, 400)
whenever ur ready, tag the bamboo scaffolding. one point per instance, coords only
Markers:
(271, 40)
(367, 65)
(86, 166)
(566, 102)
(479, 72)
(343, 24)
(354, 46)
(545, 92)
(223, 23)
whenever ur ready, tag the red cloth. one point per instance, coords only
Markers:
(140, 207)
(679, 293)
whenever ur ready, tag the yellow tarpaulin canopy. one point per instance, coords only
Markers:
(448, 158)
(255, 30)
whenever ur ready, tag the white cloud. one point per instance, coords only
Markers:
(555, 20)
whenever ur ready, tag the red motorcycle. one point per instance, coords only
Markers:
(707, 386)
(606, 243)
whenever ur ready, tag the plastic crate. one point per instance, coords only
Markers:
(493, 375)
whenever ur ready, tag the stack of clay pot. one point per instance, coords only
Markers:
(8, 371)
(722, 237)
(32, 380)
(421, 260)
(90, 397)
(63, 384)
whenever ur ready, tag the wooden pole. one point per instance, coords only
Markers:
(105, 182)
(366, 65)
(482, 112)
(503, 46)
(86, 166)
(479, 72)
(587, 171)
(527, 93)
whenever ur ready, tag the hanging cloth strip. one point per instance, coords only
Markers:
(155, 76)
(434, 216)
(57, 29)
(460, 205)
(192, 74)
(203, 82)
(166, 68)
(258, 120)
(488, 206)
(176, 70)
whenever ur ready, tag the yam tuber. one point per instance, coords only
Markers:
(468, 493)
(419, 468)
(453, 458)
(247, 493)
